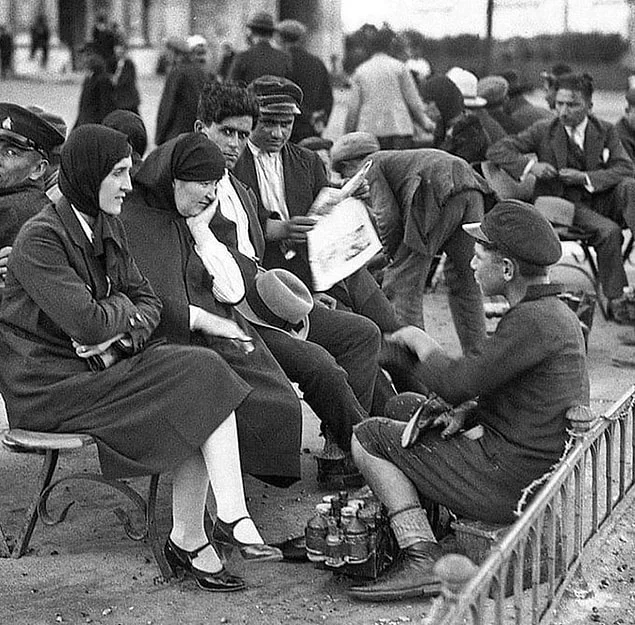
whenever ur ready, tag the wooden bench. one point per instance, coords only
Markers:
(49, 446)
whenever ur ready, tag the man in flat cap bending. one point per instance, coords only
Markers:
(26, 140)
(480, 457)
(419, 199)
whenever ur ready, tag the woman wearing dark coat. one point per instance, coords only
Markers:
(97, 97)
(76, 322)
(199, 280)
(124, 81)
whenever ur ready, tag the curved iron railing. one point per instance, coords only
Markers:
(540, 558)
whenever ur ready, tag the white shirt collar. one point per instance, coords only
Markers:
(577, 133)
(88, 231)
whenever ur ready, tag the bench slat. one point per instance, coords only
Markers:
(26, 440)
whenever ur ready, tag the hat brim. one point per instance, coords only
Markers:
(248, 313)
(19, 140)
(281, 109)
(475, 231)
(476, 102)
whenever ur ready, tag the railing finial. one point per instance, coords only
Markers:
(454, 571)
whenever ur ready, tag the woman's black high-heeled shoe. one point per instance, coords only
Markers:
(224, 539)
(221, 581)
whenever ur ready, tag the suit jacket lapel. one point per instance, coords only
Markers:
(255, 229)
(593, 145)
(560, 145)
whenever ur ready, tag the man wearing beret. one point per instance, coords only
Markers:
(419, 199)
(478, 460)
(310, 74)
(26, 140)
(580, 158)
(261, 58)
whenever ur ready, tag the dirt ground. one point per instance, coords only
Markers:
(86, 570)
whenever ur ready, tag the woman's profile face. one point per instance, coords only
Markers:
(114, 187)
(193, 197)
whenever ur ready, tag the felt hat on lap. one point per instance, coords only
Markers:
(280, 300)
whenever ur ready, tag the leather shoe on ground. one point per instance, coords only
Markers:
(293, 549)
(410, 576)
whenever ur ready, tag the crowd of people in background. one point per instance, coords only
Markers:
(195, 312)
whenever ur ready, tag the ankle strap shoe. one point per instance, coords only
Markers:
(220, 581)
(223, 538)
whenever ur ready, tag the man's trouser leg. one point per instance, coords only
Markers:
(354, 341)
(404, 284)
(464, 294)
(606, 239)
(323, 382)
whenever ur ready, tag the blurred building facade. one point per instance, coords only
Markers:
(149, 23)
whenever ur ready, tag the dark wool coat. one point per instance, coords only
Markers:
(179, 101)
(125, 88)
(96, 100)
(523, 114)
(531, 370)
(148, 412)
(304, 176)
(18, 205)
(627, 137)
(308, 71)
(270, 419)
(260, 60)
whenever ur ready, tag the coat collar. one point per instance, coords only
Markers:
(72, 225)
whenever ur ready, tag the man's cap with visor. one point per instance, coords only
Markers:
(518, 229)
(276, 94)
(27, 130)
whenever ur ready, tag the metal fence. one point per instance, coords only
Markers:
(528, 571)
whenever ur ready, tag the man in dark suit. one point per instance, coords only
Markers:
(261, 58)
(309, 72)
(580, 158)
(335, 365)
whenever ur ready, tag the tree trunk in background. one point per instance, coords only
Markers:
(487, 61)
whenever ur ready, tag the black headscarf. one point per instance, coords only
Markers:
(190, 156)
(132, 126)
(87, 157)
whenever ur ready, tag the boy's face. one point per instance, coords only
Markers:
(230, 136)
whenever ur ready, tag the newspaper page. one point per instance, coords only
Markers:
(342, 241)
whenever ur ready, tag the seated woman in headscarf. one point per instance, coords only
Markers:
(77, 356)
(199, 281)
